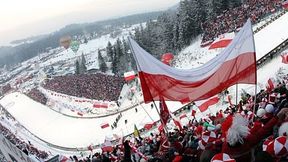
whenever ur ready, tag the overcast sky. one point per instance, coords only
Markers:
(23, 18)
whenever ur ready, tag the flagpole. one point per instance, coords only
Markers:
(136, 60)
(143, 108)
(164, 125)
(254, 108)
(236, 95)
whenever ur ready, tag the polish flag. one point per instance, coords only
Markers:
(204, 104)
(79, 113)
(107, 145)
(193, 113)
(97, 105)
(271, 84)
(183, 116)
(284, 58)
(62, 158)
(149, 126)
(128, 76)
(235, 64)
(164, 112)
(176, 122)
(104, 125)
(222, 41)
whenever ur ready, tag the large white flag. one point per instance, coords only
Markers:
(235, 64)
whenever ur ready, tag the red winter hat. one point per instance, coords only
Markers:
(278, 147)
(222, 157)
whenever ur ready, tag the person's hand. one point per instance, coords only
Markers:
(283, 114)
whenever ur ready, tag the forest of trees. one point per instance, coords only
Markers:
(171, 32)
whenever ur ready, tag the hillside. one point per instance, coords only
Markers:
(29, 49)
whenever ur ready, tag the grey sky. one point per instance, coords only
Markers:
(23, 18)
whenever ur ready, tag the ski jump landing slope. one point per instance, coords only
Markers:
(69, 132)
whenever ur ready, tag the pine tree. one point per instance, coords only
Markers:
(115, 60)
(77, 67)
(83, 67)
(85, 40)
(109, 51)
(175, 39)
(217, 6)
(102, 64)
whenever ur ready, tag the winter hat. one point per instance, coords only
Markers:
(269, 108)
(261, 112)
(283, 129)
(222, 157)
(266, 142)
(208, 137)
(278, 147)
(238, 131)
(178, 158)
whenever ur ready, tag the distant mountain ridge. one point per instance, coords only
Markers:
(32, 46)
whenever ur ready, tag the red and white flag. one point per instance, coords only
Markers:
(90, 148)
(164, 112)
(235, 64)
(128, 76)
(63, 158)
(107, 146)
(271, 84)
(149, 125)
(183, 116)
(284, 58)
(176, 122)
(204, 104)
(193, 113)
(222, 41)
(97, 105)
(104, 125)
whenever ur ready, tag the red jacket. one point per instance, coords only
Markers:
(242, 153)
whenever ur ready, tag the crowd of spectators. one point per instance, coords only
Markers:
(4, 89)
(189, 145)
(38, 96)
(233, 19)
(92, 86)
(26, 147)
(242, 141)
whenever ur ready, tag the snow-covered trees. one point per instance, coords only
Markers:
(171, 32)
(102, 64)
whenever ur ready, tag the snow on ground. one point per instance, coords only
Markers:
(72, 132)
(271, 36)
(91, 48)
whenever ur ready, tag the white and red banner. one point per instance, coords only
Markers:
(204, 104)
(104, 125)
(271, 84)
(183, 116)
(235, 64)
(176, 121)
(164, 112)
(222, 40)
(128, 76)
(97, 105)
(107, 146)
